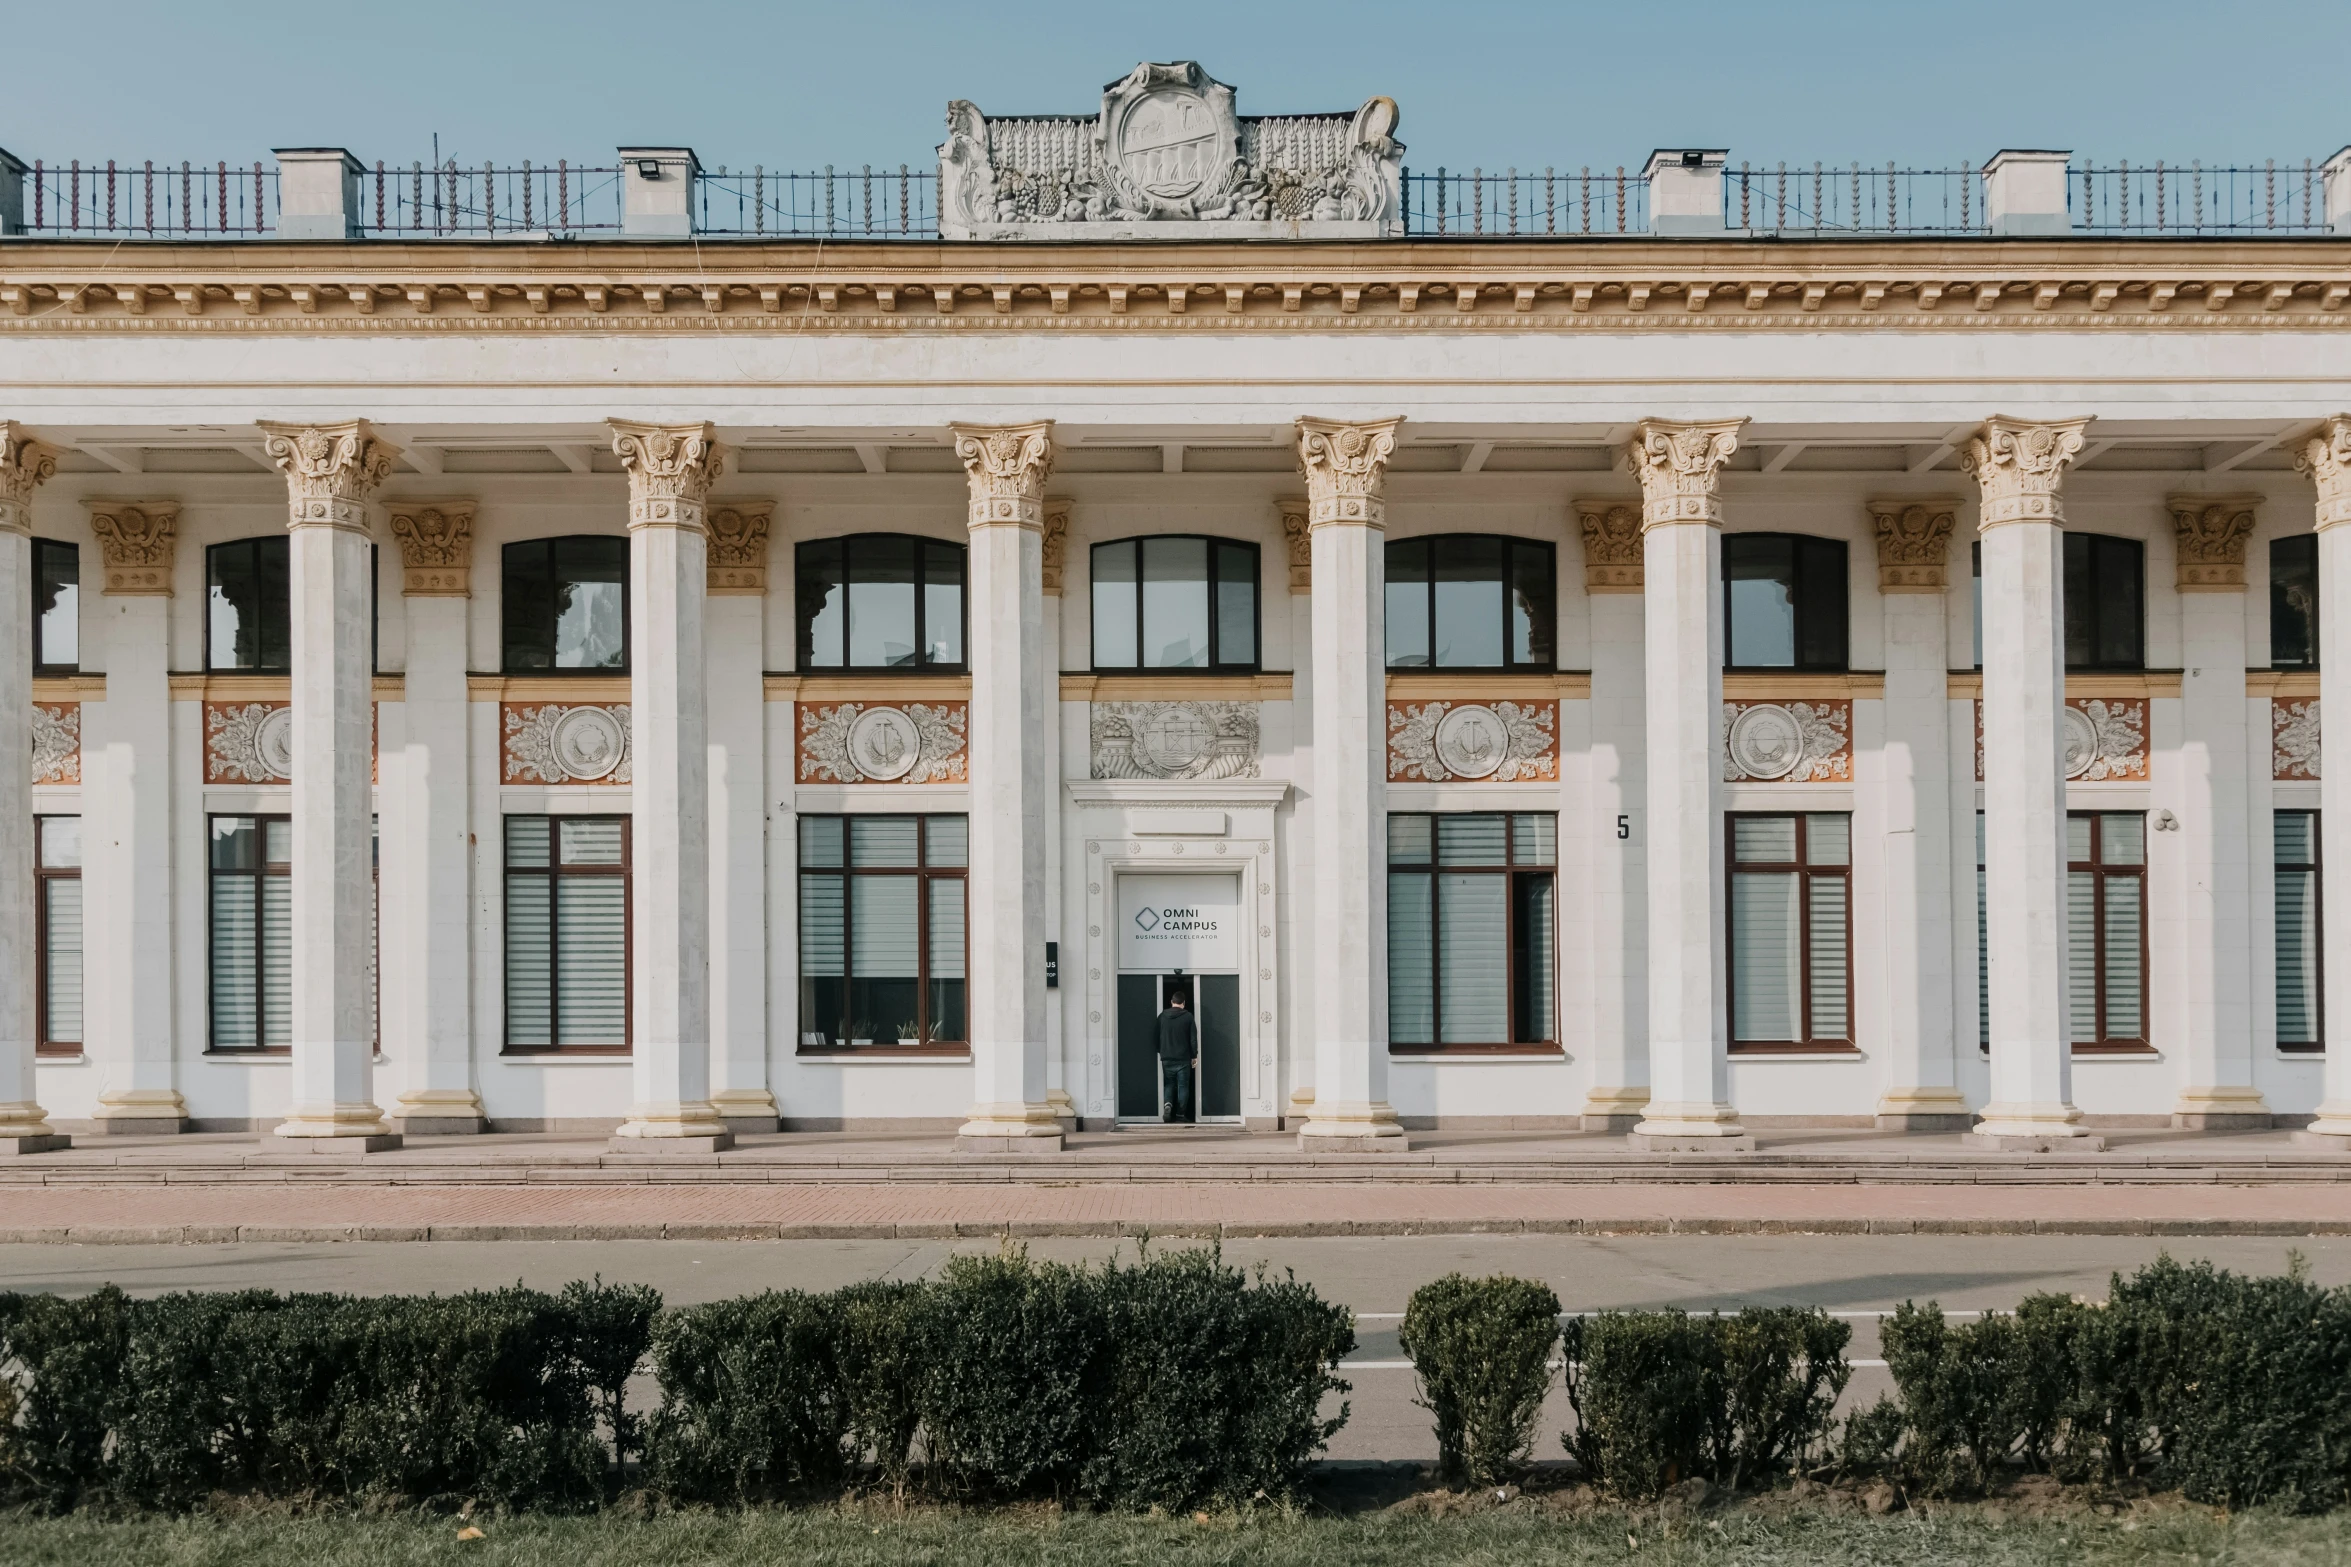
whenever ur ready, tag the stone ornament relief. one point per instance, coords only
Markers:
(552, 743)
(2018, 467)
(24, 465)
(857, 742)
(136, 542)
(2325, 458)
(1914, 544)
(2293, 738)
(1173, 740)
(1346, 469)
(1612, 546)
(330, 470)
(1295, 511)
(1679, 467)
(1473, 742)
(1787, 742)
(1056, 542)
(248, 742)
(737, 544)
(670, 467)
(2105, 739)
(57, 742)
(2209, 534)
(436, 546)
(1169, 158)
(1007, 466)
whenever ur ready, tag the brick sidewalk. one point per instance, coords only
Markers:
(224, 1212)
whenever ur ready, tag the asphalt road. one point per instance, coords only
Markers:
(1854, 1276)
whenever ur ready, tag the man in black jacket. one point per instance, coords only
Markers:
(1179, 1042)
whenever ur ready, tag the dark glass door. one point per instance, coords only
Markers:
(1216, 1000)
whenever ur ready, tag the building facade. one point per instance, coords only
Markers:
(1668, 682)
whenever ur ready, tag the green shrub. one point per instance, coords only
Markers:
(1781, 1371)
(611, 1328)
(751, 1404)
(1482, 1351)
(67, 1361)
(1015, 1365)
(874, 1327)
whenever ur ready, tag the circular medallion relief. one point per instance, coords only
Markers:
(1176, 736)
(1472, 741)
(587, 742)
(273, 742)
(1767, 742)
(884, 744)
(2081, 742)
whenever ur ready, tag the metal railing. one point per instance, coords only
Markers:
(1827, 200)
(423, 202)
(143, 201)
(861, 203)
(2156, 199)
(1586, 201)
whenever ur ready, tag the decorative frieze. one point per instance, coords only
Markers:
(2018, 465)
(877, 743)
(57, 742)
(1346, 468)
(2105, 739)
(1473, 742)
(1612, 545)
(1914, 544)
(1297, 537)
(738, 534)
(556, 743)
(1173, 740)
(136, 542)
(2293, 738)
(1679, 467)
(248, 742)
(436, 546)
(2209, 534)
(1787, 742)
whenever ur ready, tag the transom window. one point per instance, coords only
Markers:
(1463, 601)
(2105, 602)
(880, 601)
(1175, 603)
(565, 603)
(2293, 602)
(1783, 601)
(57, 606)
(1472, 930)
(57, 933)
(883, 952)
(567, 933)
(2294, 844)
(246, 624)
(2106, 929)
(1791, 917)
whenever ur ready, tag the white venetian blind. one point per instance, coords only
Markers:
(61, 945)
(530, 961)
(2081, 956)
(1829, 948)
(235, 917)
(824, 931)
(277, 959)
(946, 928)
(1473, 953)
(1412, 985)
(1766, 948)
(591, 960)
(2124, 1016)
(2295, 838)
(1539, 927)
(883, 936)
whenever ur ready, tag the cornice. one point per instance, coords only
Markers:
(1634, 284)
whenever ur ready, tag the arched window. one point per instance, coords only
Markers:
(246, 616)
(2105, 602)
(1462, 601)
(880, 601)
(1175, 602)
(565, 604)
(1783, 602)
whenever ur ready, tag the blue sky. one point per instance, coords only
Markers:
(799, 86)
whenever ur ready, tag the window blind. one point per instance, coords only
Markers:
(2081, 956)
(884, 940)
(277, 960)
(1827, 941)
(2295, 840)
(1412, 982)
(1765, 954)
(1473, 936)
(530, 961)
(591, 960)
(824, 928)
(62, 947)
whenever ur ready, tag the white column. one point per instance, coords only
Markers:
(1297, 928)
(2326, 457)
(330, 471)
(1617, 783)
(1681, 522)
(1346, 469)
(126, 823)
(1063, 1063)
(1921, 1090)
(735, 651)
(670, 470)
(427, 953)
(2214, 911)
(2019, 466)
(1011, 711)
(24, 1125)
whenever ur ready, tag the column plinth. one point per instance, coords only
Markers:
(2326, 457)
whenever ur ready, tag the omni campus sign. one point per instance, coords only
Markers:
(1178, 922)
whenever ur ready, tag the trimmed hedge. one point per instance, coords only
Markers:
(1482, 1349)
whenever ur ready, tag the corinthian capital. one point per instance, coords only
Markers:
(2209, 534)
(2019, 466)
(24, 463)
(137, 541)
(436, 546)
(1346, 468)
(330, 470)
(2326, 457)
(671, 468)
(1612, 545)
(1680, 467)
(738, 545)
(1008, 464)
(1914, 544)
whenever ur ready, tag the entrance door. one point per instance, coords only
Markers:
(1215, 1001)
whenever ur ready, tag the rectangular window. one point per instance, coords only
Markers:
(880, 601)
(2105, 929)
(1466, 601)
(565, 604)
(246, 614)
(1791, 959)
(1783, 602)
(1983, 946)
(252, 932)
(57, 933)
(2293, 602)
(2105, 602)
(1472, 930)
(1175, 603)
(57, 606)
(2294, 837)
(567, 933)
(883, 948)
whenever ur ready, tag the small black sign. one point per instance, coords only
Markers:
(1052, 965)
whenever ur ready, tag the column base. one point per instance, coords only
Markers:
(1355, 1128)
(1690, 1128)
(1010, 1128)
(1614, 1110)
(2330, 1142)
(746, 1111)
(440, 1112)
(2031, 1128)
(1980, 1141)
(138, 1125)
(673, 1129)
(322, 1125)
(710, 1142)
(1923, 1110)
(2229, 1108)
(2333, 1120)
(1064, 1108)
(1300, 1109)
(141, 1112)
(13, 1143)
(349, 1147)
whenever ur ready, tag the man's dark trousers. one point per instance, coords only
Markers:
(1175, 1090)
